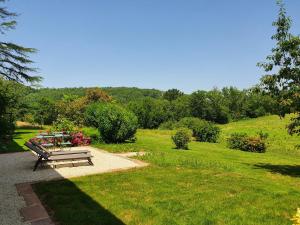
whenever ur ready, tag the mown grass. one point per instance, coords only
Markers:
(208, 184)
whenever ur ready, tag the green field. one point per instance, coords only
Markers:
(208, 184)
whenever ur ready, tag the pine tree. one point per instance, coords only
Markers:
(14, 59)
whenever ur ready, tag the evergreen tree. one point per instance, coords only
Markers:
(14, 59)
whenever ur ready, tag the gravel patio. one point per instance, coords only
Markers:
(16, 168)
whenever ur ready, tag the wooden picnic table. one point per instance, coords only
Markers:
(55, 137)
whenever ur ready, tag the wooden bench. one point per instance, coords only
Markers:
(44, 156)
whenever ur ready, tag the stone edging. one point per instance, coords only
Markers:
(34, 211)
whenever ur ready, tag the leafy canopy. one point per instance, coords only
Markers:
(283, 68)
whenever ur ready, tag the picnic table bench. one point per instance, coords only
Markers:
(56, 156)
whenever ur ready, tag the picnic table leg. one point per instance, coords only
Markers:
(90, 162)
(38, 162)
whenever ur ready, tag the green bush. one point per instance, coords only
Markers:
(63, 124)
(189, 122)
(115, 123)
(91, 115)
(245, 143)
(206, 132)
(168, 125)
(236, 140)
(182, 138)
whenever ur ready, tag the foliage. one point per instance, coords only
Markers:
(243, 142)
(206, 132)
(181, 138)
(209, 106)
(91, 115)
(179, 108)
(189, 122)
(11, 94)
(283, 69)
(74, 107)
(168, 125)
(78, 139)
(115, 123)
(14, 58)
(7, 127)
(96, 95)
(172, 94)
(63, 124)
(150, 112)
(237, 140)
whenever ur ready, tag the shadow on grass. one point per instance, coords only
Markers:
(11, 146)
(289, 170)
(16, 144)
(67, 204)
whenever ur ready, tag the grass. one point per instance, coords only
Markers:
(208, 184)
(20, 136)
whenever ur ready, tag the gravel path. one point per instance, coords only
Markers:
(17, 168)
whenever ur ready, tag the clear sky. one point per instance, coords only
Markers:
(184, 44)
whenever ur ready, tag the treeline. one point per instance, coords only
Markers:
(152, 107)
(121, 94)
(219, 106)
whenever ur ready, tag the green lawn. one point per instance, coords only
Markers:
(208, 184)
(20, 136)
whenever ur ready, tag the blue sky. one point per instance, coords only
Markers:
(184, 44)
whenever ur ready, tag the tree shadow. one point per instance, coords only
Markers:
(67, 204)
(11, 146)
(288, 170)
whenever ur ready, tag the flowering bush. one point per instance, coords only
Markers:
(79, 139)
(245, 143)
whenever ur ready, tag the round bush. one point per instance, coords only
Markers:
(182, 138)
(168, 125)
(115, 123)
(206, 132)
(189, 122)
(245, 143)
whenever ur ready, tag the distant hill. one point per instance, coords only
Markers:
(121, 94)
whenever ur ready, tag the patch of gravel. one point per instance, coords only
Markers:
(16, 168)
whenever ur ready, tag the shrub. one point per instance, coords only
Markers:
(79, 139)
(63, 124)
(254, 144)
(91, 115)
(115, 123)
(245, 143)
(182, 138)
(206, 132)
(237, 140)
(168, 125)
(189, 122)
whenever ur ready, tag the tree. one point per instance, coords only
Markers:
(283, 68)
(150, 112)
(209, 106)
(14, 59)
(96, 95)
(172, 94)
